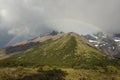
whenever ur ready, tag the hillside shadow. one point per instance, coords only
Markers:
(47, 75)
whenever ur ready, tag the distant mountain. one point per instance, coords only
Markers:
(63, 50)
(107, 43)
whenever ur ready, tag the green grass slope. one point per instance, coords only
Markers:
(68, 51)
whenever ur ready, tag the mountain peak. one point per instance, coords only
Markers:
(74, 34)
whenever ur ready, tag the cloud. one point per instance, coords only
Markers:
(35, 17)
(17, 15)
(5, 37)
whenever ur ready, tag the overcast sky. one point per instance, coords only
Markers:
(33, 17)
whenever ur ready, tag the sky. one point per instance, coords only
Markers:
(23, 18)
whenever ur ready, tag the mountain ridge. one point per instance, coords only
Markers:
(70, 50)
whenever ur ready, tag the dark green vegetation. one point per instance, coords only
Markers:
(69, 51)
(48, 73)
(21, 73)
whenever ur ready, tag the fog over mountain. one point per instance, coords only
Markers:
(35, 17)
(5, 37)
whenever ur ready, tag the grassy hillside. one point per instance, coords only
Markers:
(75, 58)
(68, 51)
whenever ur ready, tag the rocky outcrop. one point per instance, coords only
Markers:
(107, 43)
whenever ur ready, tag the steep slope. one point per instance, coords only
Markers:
(70, 50)
(27, 44)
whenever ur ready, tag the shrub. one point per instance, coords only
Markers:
(100, 69)
(39, 69)
(45, 68)
(84, 76)
(111, 69)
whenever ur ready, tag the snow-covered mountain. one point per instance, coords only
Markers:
(106, 42)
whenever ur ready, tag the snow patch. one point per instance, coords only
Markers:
(113, 47)
(93, 41)
(96, 45)
(117, 40)
(104, 44)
